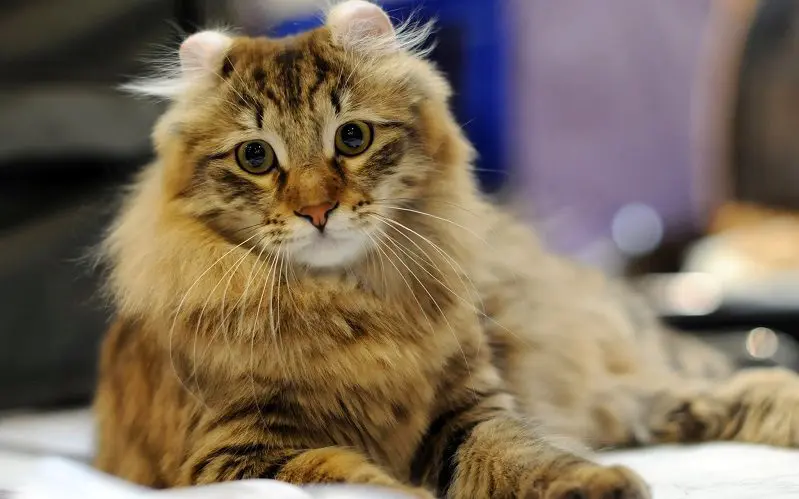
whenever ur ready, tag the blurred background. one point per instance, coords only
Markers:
(654, 139)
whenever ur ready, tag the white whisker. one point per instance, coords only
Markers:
(180, 307)
(456, 224)
(435, 303)
(376, 243)
(225, 318)
(255, 328)
(383, 201)
(453, 263)
(231, 271)
(413, 258)
(462, 272)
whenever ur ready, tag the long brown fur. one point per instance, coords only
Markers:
(448, 356)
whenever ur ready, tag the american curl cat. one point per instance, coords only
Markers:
(308, 286)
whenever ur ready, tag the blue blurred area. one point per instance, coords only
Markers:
(471, 48)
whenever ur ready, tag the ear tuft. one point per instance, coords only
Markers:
(359, 24)
(203, 51)
(199, 59)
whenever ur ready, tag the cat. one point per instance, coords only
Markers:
(309, 287)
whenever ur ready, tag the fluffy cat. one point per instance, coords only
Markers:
(309, 287)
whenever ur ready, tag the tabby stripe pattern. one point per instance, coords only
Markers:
(437, 455)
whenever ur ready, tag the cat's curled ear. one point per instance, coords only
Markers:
(199, 60)
(362, 26)
(202, 53)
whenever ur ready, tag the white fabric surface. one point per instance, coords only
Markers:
(715, 471)
(711, 471)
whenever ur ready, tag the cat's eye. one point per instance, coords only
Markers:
(256, 157)
(353, 138)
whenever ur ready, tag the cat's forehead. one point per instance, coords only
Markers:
(289, 72)
(268, 51)
(283, 59)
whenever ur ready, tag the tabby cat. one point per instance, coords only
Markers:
(309, 287)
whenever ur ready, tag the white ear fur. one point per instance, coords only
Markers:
(362, 25)
(202, 52)
(199, 58)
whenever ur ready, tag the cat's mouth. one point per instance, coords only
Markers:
(328, 248)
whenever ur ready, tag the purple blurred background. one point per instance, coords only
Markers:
(604, 113)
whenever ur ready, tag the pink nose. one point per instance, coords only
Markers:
(317, 214)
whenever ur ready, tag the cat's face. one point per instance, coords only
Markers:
(302, 146)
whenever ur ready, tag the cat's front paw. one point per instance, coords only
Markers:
(596, 482)
(755, 405)
(680, 420)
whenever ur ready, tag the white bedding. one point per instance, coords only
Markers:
(713, 471)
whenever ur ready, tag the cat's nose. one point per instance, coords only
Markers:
(317, 214)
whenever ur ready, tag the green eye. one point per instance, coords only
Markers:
(353, 138)
(256, 157)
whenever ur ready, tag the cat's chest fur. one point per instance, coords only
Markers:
(351, 368)
(384, 420)
(366, 375)
(372, 395)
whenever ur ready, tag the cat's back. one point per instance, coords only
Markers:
(563, 334)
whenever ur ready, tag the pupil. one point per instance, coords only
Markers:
(352, 136)
(255, 154)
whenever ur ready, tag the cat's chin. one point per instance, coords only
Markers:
(327, 251)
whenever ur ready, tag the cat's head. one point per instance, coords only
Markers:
(309, 145)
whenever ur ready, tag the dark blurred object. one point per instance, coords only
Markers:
(749, 338)
(68, 140)
(52, 315)
(739, 284)
(750, 328)
(754, 57)
(667, 257)
(59, 64)
(765, 150)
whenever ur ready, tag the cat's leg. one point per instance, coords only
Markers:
(479, 448)
(232, 460)
(503, 458)
(754, 405)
